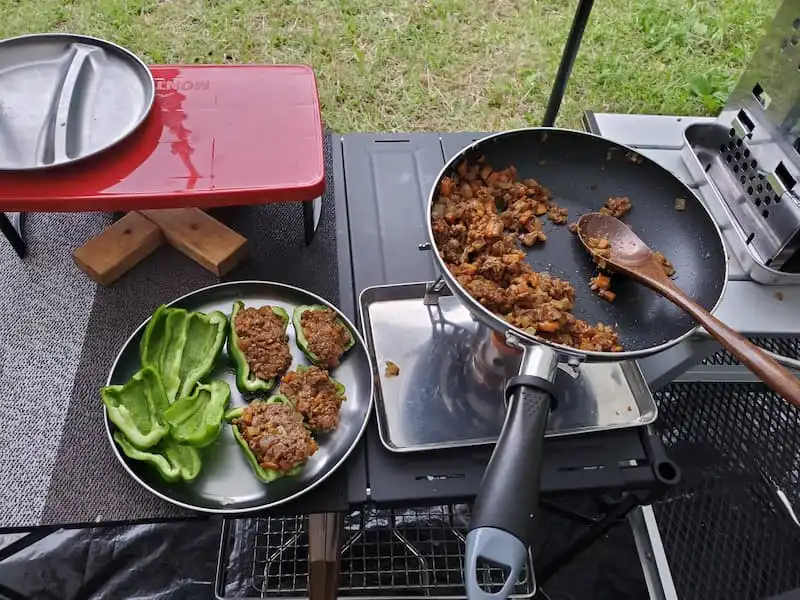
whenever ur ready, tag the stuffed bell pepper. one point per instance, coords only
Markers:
(273, 437)
(315, 395)
(183, 347)
(321, 335)
(259, 346)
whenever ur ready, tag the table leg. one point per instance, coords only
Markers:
(312, 211)
(567, 60)
(12, 230)
(324, 541)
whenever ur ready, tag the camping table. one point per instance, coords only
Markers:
(218, 135)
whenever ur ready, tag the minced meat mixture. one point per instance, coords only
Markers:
(601, 249)
(601, 285)
(477, 219)
(662, 260)
(276, 435)
(263, 340)
(325, 334)
(617, 206)
(314, 396)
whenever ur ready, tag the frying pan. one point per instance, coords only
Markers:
(581, 171)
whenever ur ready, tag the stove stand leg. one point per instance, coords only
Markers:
(567, 60)
(312, 211)
(546, 568)
(12, 230)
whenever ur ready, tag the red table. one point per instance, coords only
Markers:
(217, 135)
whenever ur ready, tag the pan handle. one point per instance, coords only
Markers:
(504, 518)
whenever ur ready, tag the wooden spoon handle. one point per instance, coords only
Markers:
(754, 358)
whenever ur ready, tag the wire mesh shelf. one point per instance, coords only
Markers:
(726, 530)
(411, 553)
(789, 347)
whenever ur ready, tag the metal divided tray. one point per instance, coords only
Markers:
(65, 97)
(449, 390)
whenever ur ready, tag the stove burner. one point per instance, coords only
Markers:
(492, 360)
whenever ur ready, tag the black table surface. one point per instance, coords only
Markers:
(372, 222)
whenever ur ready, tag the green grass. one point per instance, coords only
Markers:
(441, 65)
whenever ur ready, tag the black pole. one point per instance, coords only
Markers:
(12, 230)
(567, 60)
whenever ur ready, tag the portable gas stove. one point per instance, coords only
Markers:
(426, 453)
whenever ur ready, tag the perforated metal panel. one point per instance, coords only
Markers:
(762, 153)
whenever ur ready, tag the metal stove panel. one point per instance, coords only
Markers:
(752, 154)
(449, 391)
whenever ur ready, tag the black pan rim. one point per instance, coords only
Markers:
(250, 509)
(520, 336)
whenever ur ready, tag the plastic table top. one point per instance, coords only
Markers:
(218, 135)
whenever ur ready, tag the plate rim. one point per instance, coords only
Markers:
(100, 43)
(238, 511)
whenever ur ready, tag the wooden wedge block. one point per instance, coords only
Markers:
(107, 256)
(200, 237)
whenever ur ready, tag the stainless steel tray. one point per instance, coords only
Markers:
(436, 401)
(65, 97)
(226, 483)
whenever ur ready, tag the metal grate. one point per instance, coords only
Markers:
(280, 555)
(725, 530)
(386, 553)
(789, 347)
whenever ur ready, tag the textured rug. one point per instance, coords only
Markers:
(61, 332)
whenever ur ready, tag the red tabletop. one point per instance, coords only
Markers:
(217, 135)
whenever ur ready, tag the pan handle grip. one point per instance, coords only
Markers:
(504, 518)
(500, 548)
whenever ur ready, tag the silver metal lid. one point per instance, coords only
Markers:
(65, 97)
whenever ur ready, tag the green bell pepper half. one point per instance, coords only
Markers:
(137, 408)
(172, 460)
(263, 475)
(246, 380)
(302, 343)
(196, 420)
(182, 346)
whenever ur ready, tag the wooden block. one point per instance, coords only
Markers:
(324, 542)
(107, 256)
(200, 237)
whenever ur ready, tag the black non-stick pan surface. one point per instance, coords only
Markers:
(582, 171)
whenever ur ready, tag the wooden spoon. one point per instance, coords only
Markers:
(628, 254)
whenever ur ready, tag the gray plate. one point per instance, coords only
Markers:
(436, 402)
(226, 483)
(65, 97)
